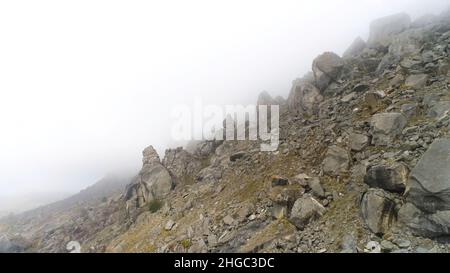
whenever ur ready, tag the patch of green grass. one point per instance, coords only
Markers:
(154, 205)
(186, 244)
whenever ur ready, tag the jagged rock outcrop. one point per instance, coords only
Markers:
(355, 48)
(153, 181)
(382, 30)
(181, 165)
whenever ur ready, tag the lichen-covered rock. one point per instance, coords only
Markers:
(336, 161)
(392, 178)
(326, 68)
(378, 210)
(386, 127)
(305, 210)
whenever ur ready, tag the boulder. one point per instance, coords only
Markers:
(355, 48)
(316, 187)
(439, 109)
(417, 81)
(409, 109)
(383, 29)
(386, 127)
(425, 224)
(358, 141)
(392, 178)
(336, 161)
(378, 210)
(304, 98)
(305, 210)
(429, 182)
(326, 68)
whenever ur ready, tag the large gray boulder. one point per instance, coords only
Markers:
(429, 182)
(386, 127)
(305, 210)
(304, 98)
(391, 177)
(337, 160)
(327, 68)
(378, 210)
(439, 109)
(425, 224)
(427, 211)
(383, 29)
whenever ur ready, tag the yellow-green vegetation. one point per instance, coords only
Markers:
(154, 205)
(186, 244)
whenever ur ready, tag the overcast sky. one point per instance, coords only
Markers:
(86, 85)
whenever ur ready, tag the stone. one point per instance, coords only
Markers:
(409, 109)
(372, 247)
(336, 161)
(417, 81)
(392, 178)
(236, 156)
(305, 210)
(425, 224)
(397, 80)
(153, 181)
(279, 211)
(378, 210)
(326, 68)
(169, 225)
(304, 98)
(348, 244)
(386, 127)
(387, 246)
(361, 87)
(383, 29)
(355, 48)
(358, 141)
(316, 187)
(372, 99)
(439, 109)
(228, 220)
(349, 97)
(429, 182)
(181, 165)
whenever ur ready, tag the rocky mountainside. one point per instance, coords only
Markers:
(362, 166)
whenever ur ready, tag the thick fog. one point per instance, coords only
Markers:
(86, 85)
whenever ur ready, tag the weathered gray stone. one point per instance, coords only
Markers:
(316, 187)
(416, 81)
(439, 109)
(336, 161)
(388, 177)
(429, 183)
(409, 109)
(326, 68)
(305, 210)
(425, 224)
(378, 210)
(358, 141)
(386, 127)
(304, 98)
